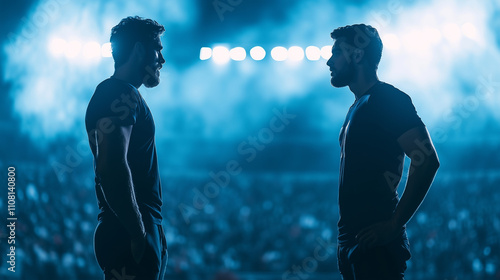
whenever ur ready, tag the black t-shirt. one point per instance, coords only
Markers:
(116, 98)
(371, 160)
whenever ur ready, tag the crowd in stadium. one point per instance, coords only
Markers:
(262, 225)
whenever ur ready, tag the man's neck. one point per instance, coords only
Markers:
(364, 81)
(125, 74)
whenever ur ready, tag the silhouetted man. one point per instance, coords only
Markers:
(380, 128)
(129, 241)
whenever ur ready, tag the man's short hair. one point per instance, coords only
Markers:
(363, 37)
(129, 31)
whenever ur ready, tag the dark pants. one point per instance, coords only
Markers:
(378, 263)
(112, 248)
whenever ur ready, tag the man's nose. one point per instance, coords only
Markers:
(329, 61)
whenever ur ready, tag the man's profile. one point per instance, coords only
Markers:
(381, 126)
(129, 240)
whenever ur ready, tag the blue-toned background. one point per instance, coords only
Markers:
(272, 218)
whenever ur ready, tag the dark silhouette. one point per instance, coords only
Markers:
(129, 241)
(380, 128)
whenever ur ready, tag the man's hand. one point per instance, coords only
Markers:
(378, 234)
(138, 246)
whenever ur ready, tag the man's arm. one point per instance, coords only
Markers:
(417, 145)
(115, 177)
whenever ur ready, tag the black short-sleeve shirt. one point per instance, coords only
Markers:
(121, 100)
(371, 160)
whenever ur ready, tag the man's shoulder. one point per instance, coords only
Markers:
(388, 89)
(388, 94)
(113, 91)
(112, 86)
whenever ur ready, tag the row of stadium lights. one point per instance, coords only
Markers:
(221, 54)
(72, 49)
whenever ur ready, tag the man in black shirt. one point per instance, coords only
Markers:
(129, 241)
(380, 128)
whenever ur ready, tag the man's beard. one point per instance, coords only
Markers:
(151, 76)
(344, 77)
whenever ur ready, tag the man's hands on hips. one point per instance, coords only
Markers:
(138, 246)
(378, 234)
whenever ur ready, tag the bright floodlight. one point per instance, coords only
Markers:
(295, 53)
(469, 30)
(452, 32)
(238, 53)
(220, 55)
(391, 42)
(313, 53)
(73, 49)
(106, 50)
(92, 50)
(57, 46)
(258, 53)
(279, 53)
(205, 53)
(326, 52)
(433, 34)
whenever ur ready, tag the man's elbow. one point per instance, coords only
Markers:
(429, 162)
(433, 162)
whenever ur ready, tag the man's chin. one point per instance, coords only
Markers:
(152, 85)
(151, 82)
(337, 84)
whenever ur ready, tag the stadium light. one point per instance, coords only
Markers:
(92, 50)
(295, 53)
(106, 50)
(313, 53)
(238, 54)
(279, 53)
(469, 30)
(73, 49)
(205, 53)
(220, 55)
(452, 32)
(326, 52)
(433, 34)
(391, 41)
(257, 53)
(57, 46)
